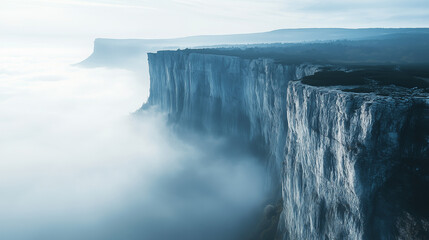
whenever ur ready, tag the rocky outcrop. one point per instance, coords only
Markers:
(341, 150)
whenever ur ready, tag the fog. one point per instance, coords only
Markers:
(76, 162)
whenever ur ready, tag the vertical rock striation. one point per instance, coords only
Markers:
(341, 149)
(241, 98)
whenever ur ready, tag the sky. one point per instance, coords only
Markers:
(88, 19)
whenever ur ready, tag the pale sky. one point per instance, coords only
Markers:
(176, 18)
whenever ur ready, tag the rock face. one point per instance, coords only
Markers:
(341, 149)
(245, 99)
(350, 165)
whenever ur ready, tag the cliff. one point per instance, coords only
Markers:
(341, 150)
(241, 98)
(350, 165)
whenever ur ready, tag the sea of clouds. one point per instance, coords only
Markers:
(77, 163)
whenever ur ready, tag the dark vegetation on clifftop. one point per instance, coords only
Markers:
(400, 60)
(373, 77)
(395, 50)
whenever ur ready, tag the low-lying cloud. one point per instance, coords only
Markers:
(75, 163)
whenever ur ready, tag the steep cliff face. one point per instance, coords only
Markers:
(225, 95)
(350, 165)
(341, 149)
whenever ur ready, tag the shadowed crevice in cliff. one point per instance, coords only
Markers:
(400, 205)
